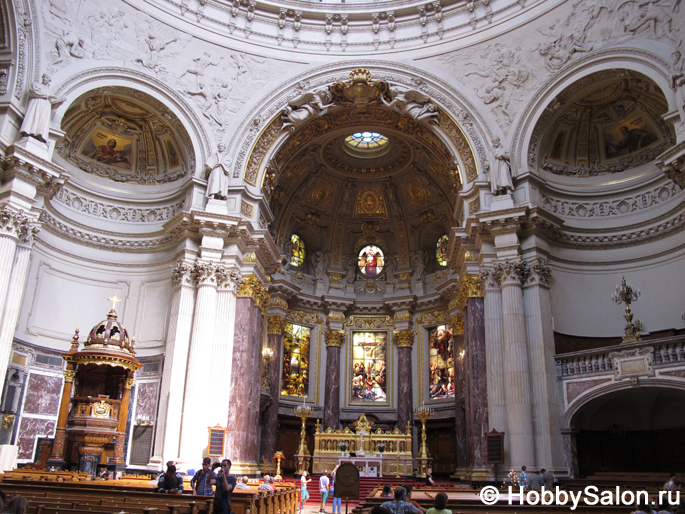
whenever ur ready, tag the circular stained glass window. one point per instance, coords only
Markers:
(366, 140)
(371, 261)
(441, 250)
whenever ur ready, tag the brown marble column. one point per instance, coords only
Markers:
(274, 341)
(404, 339)
(457, 324)
(331, 408)
(474, 336)
(242, 438)
(570, 452)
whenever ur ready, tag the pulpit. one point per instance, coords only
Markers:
(91, 425)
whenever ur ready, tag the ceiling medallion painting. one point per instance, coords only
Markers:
(370, 203)
(322, 195)
(116, 138)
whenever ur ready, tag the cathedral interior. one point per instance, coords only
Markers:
(299, 227)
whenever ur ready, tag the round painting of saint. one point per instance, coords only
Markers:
(371, 261)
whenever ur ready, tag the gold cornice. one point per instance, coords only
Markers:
(335, 337)
(403, 338)
(104, 360)
(275, 325)
(251, 286)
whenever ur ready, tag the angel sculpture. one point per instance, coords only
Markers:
(310, 105)
(412, 103)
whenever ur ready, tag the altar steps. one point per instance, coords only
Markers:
(366, 485)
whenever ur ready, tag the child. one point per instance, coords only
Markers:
(304, 494)
(439, 505)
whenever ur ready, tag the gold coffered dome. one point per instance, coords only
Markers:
(126, 136)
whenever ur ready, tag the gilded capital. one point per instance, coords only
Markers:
(334, 337)
(129, 383)
(403, 338)
(251, 286)
(469, 285)
(457, 324)
(69, 375)
(275, 325)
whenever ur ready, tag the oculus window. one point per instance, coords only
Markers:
(369, 372)
(371, 261)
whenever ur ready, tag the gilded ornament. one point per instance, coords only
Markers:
(253, 287)
(336, 316)
(403, 338)
(457, 323)
(469, 286)
(369, 322)
(100, 409)
(7, 420)
(250, 257)
(129, 383)
(246, 209)
(402, 316)
(275, 301)
(433, 317)
(334, 337)
(69, 375)
(275, 325)
(304, 317)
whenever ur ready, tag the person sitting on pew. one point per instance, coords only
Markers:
(243, 483)
(398, 505)
(170, 482)
(265, 486)
(17, 505)
(439, 505)
(387, 491)
(408, 499)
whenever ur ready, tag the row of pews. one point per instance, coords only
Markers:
(70, 493)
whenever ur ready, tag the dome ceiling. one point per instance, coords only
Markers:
(606, 122)
(338, 202)
(126, 136)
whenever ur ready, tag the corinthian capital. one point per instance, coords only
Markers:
(205, 273)
(539, 273)
(227, 278)
(490, 278)
(251, 286)
(27, 234)
(335, 337)
(403, 338)
(275, 325)
(182, 274)
(12, 223)
(512, 272)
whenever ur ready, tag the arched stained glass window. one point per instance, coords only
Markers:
(297, 254)
(368, 364)
(441, 250)
(296, 345)
(441, 361)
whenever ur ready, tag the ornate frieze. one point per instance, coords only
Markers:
(433, 317)
(275, 325)
(334, 337)
(403, 338)
(336, 316)
(402, 316)
(251, 286)
(311, 318)
(369, 322)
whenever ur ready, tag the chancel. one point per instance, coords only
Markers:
(343, 232)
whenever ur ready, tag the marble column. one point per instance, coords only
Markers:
(331, 408)
(494, 354)
(516, 366)
(570, 452)
(274, 341)
(59, 443)
(15, 292)
(459, 394)
(474, 335)
(167, 442)
(222, 348)
(199, 394)
(546, 414)
(404, 339)
(242, 439)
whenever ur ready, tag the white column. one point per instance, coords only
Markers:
(222, 349)
(546, 415)
(494, 353)
(516, 366)
(200, 393)
(15, 292)
(175, 363)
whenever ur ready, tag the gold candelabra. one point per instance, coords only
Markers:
(303, 413)
(424, 414)
(267, 355)
(278, 456)
(626, 293)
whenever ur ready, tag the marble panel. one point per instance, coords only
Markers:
(28, 430)
(146, 403)
(331, 408)
(404, 387)
(269, 423)
(475, 319)
(575, 389)
(459, 400)
(43, 393)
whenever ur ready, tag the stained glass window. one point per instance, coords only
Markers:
(441, 250)
(295, 381)
(371, 261)
(366, 140)
(297, 254)
(368, 367)
(441, 362)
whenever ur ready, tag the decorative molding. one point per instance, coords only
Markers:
(371, 322)
(275, 325)
(617, 207)
(311, 318)
(252, 287)
(246, 209)
(434, 317)
(633, 363)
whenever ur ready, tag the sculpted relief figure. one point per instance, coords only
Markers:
(312, 104)
(678, 82)
(320, 262)
(37, 118)
(419, 264)
(500, 177)
(350, 270)
(69, 45)
(390, 266)
(218, 168)
(412, 103)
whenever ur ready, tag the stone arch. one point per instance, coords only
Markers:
(80, 83)
(655, 66)
(259, 137)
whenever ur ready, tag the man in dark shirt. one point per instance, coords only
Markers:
(170, 482)
(225, 484)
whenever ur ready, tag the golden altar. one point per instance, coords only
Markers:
(364, 442)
